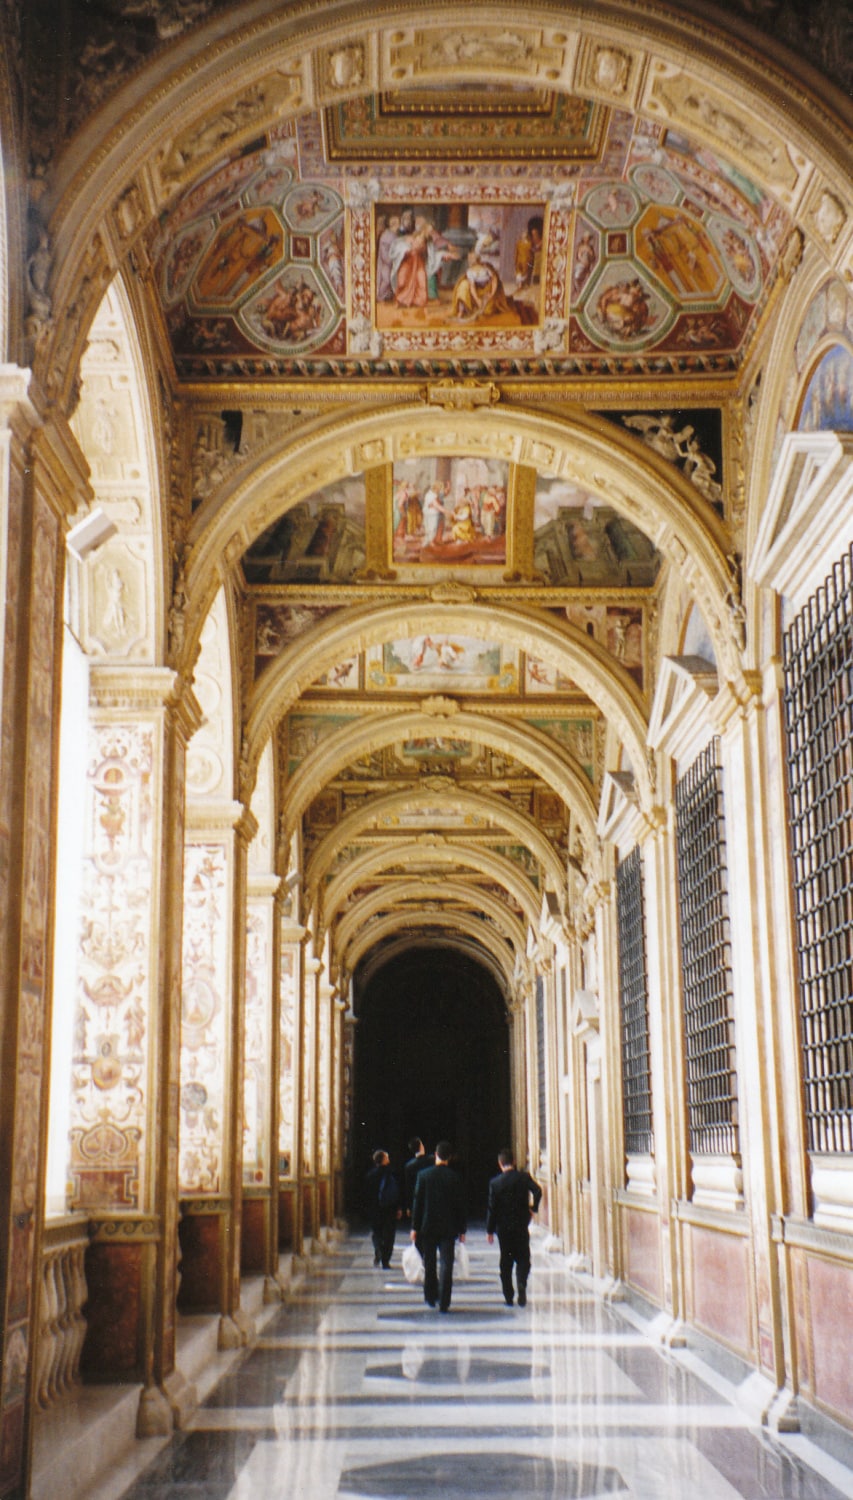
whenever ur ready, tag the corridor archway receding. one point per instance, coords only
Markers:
(431, 1058)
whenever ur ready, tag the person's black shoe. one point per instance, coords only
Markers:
(522, 1296)
(430, 1301)
(509, 1301)
(386, 1265)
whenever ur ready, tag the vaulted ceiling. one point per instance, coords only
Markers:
(453, 357)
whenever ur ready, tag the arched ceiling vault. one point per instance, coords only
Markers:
(372, 957)
(606, 683)
(447, 907)
(619, 239)
(387, 811)
(587, 453)
(246, 69)
(431, 851)
(555, 767)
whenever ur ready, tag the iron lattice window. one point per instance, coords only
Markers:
(634, 1006)
(706, 958)
(818, 657)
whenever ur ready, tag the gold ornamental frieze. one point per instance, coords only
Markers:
(124, 1229)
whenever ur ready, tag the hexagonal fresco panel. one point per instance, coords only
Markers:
(668, 252)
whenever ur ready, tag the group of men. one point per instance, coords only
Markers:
(433, 1199)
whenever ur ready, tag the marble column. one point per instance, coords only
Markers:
(42, 483)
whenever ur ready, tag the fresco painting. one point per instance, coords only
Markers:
(579, 540)
(306, 731)
(541, 677)
(441, 265)
(343, 677)
(577, 736)
(450, 510)
(261, 272)
(318, 540)
(436, 747)
(828, 401)
(432, 662)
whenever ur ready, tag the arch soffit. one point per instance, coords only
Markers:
(466, 935)
(481, 804)
(529, 746)
(115, 393)
(445, 853)
(132, 134)
(594, 670)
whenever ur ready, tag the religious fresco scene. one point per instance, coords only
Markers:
(442, 265)
(281, 263)
(450, 510)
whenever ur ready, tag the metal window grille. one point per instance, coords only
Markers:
(709, 1042)
(634, 1006)
(818, 666)
(540, 1063)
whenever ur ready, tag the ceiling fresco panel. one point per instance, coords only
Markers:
(454, 263)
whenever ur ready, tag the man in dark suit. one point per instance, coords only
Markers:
(438, 1218)
(509, 1212)
(416, 1164)
(382, 1201)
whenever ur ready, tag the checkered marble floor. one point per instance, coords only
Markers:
(359, 1391)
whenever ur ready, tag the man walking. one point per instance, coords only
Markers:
(382, 1201)
(509, 1212)
(417, 1163)
(438, 1219)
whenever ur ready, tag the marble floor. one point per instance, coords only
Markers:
(356, 1390)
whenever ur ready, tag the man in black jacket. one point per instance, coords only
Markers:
(438, 1218)
(382, 1202)
(509, 1212)
(417, 1163)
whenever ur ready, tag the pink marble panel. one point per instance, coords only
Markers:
(642, 1253)
(831, 1304)
(720, 1284)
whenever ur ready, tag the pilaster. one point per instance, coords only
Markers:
(142, 720)
(42, 481)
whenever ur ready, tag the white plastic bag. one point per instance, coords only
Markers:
(413, 1266)
(461, 1262)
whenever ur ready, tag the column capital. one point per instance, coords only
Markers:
(18, 412)
(146, 690)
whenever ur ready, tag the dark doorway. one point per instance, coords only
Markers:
(431, 1059)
